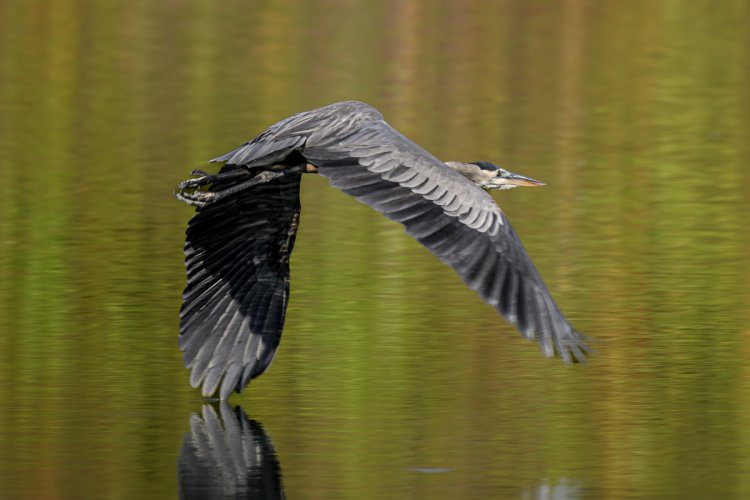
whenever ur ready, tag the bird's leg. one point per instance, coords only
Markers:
(261, 178)
(203, 198)
(188, 190)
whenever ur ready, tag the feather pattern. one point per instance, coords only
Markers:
(237, 256)
(237, 249)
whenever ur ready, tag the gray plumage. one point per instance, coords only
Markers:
(238, 244)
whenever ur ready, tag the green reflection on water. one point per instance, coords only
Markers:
(635, 114)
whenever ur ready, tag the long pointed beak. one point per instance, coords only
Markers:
(520, 180)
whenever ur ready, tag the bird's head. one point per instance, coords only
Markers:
(490, 176)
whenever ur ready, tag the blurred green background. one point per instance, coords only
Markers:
(393, 379)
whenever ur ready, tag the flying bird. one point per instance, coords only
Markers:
(238, 243)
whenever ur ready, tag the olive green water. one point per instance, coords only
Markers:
(393, 380)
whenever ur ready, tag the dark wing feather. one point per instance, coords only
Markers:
(456, 220)
(493, 263)
(237, 256)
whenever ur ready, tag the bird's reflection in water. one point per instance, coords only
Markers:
(561, 489)
(227, 455)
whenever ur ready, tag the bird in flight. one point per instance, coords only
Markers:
(238, 243)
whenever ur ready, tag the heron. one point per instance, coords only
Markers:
(239, 241)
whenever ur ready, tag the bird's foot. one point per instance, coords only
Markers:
(202, 179)
(188, 191)
(194, 197)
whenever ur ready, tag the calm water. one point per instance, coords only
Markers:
(393, 379)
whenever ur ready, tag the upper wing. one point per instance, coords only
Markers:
(453, 218)
(237, 256)
(456, 220)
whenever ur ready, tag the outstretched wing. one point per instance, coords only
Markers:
(237, 257)
(456, 220)
(489, 257)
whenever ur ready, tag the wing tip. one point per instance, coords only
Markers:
(574, 348)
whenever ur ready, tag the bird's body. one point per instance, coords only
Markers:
(239, 242)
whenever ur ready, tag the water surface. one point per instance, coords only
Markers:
(393, 379)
